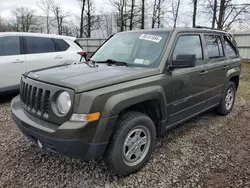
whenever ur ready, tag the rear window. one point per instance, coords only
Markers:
(61, 45)
(9, 46)
(39, 45)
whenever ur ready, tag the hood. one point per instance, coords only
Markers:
(81, 77)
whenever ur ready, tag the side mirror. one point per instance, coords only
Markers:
(83, 54)
(184, 61)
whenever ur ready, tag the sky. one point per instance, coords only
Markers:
(71, 6)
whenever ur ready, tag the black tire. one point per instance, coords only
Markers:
(222, 109)
(113, 157)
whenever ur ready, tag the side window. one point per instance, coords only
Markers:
(188, 45)
(39, 45)
(214, 46)
(229, 48)
(9, 46)
(61, 45)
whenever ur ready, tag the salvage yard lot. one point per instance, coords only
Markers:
(209, 151)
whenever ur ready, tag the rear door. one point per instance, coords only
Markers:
(216, 64)
(12, 62)
(42, 52)
(186, 90)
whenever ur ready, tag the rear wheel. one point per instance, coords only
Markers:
(228, 99)
(132, 143)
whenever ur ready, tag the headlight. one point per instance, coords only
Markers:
(63, 103)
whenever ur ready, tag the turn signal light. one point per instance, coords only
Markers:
(85, 117)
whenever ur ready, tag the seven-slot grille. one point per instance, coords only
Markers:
(35, 99)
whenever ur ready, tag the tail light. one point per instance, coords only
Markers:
(83, 54)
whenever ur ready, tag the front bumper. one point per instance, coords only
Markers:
(80, 139)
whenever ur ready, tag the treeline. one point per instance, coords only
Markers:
(129, 15)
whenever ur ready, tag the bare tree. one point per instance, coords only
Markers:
(123, 3)
(225, 13)
(82, 4)
(93, 21)
(60, 18)
(24, 19)
(132, 14)
(119, 5)
(214, 13)
(154, 17)
(88, 21)
(244, 25)
(230, 13)
(175, 11)
(47, 7)
(107, 24)
(158, 12)
(194, 12)
(4, 26)
(159, 7)
(137, 14)
(210, 9)
(143, 14)
(221, 13)
(89, 18)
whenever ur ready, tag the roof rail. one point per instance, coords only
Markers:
(202, 27)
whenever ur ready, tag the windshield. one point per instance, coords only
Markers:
(141, 49)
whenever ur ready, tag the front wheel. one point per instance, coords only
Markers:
(228, 99)
(132, 144)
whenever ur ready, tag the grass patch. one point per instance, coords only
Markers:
(245, 65)
(244, 87)
(244, 90)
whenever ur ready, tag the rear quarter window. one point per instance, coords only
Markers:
(61, 45)
(78, 44)
(230, 48)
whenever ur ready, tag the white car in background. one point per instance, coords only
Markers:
(23, 52)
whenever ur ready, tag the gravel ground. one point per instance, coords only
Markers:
(209, 151)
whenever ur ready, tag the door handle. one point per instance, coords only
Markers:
(58, 57)
(203, 73)
(18, 61)
(225, 67)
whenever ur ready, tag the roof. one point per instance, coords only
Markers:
(35, 35)
(200, 29)
(182, 29)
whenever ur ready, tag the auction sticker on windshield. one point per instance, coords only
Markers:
(152, 38)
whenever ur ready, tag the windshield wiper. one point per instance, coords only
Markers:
(112, 62)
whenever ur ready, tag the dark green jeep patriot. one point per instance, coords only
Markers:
(136, 86)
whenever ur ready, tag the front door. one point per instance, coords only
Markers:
(186, 90)
(12, 63)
